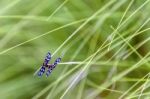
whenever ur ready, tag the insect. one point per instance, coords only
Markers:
(49, 66)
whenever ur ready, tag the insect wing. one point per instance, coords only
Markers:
(50, 68)
(41, 72)
(47, 58)
(56, 62)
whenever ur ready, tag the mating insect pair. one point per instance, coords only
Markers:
(49, 66)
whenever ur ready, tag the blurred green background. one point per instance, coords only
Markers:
(104, 43)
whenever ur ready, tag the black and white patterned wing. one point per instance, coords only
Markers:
(47, 59)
